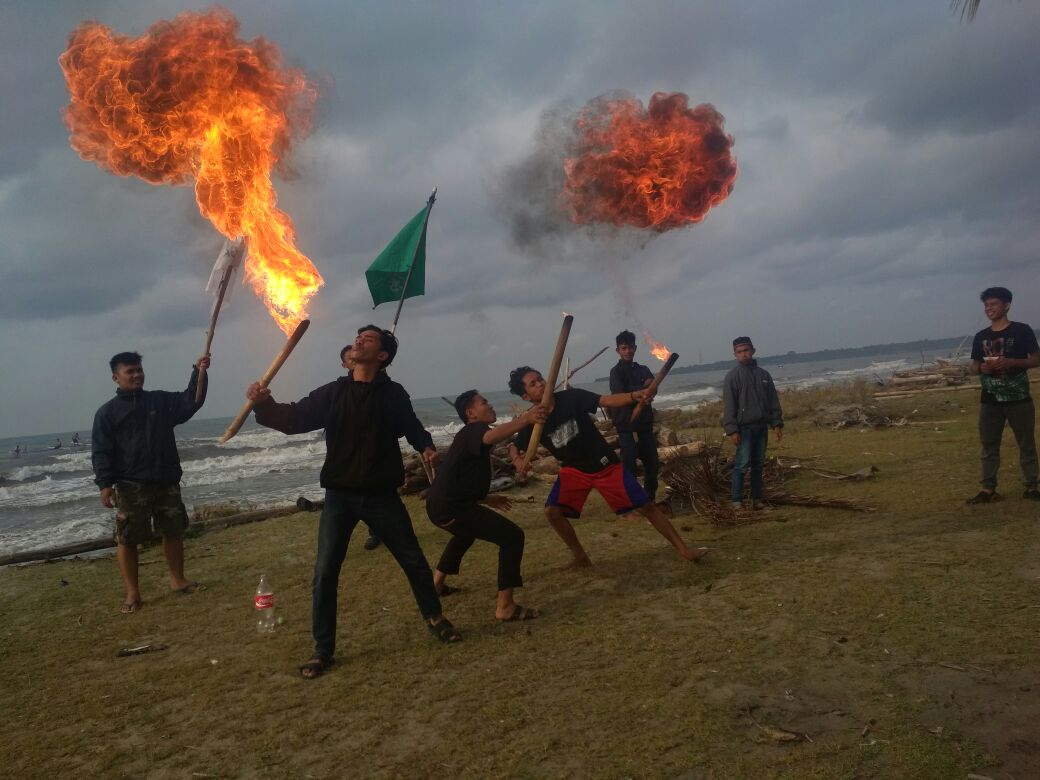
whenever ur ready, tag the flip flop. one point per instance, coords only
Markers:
(520, 614)
(131, 607)
(316, 667)
(191, 587)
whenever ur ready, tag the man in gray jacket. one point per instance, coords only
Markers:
(752, 407)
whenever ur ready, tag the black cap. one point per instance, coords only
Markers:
(464, 401)
(742, 340)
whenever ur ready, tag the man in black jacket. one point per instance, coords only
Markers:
(363, 414)
(636, 438)
(137, 468)
(751, 407)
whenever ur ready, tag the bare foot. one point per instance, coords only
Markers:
(695, 554)
(578, 563)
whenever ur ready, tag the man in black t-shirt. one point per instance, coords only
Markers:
(458, 501)
(636, 438)
(1002, 355)
(587, 462)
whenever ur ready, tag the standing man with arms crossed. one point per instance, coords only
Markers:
(138, 469)
(636, 438)
(1002, 355)
(587, 462)
(363, 414)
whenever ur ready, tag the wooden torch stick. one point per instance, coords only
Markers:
(235, 250)
(265, 380)
(638, 410)
(571, 373)
(550, 383)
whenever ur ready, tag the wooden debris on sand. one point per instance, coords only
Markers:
(704, 484)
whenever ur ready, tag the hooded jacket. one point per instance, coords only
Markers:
(133, 439)
(362, 422)
(750, 398)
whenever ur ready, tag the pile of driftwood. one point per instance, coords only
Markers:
(704, 484)
(941, 373)
(838, 416)
(670, 446)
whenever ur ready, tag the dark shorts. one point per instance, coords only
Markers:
(619, 489)
(138, 504)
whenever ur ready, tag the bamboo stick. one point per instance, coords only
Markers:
(638, 410)
(265, 380)
(579, 368)
(235, 249)
(550, 384)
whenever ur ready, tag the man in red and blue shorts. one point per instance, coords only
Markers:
(587, 462)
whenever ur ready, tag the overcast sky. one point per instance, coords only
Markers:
(889, 170)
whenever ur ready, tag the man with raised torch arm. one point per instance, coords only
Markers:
(138, 470)
(587, 462)
(363, 414)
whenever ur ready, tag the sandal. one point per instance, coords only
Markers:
(447, 590)
(191, 587)
(984, 497)
(130, 607)
(1032, 494)
(316, 667)
(521, 613)
(444, 631)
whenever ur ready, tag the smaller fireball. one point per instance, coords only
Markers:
(657, 349)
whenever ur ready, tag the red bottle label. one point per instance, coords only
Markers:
(264, 602)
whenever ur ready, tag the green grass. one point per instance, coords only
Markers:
(918, 621)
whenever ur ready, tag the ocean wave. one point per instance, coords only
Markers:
(264, 438)
(672, 399)
(79, 529)
(46, 491)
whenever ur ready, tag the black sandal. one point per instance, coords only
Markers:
(520, 614)
(984, 497)
(444, 631)
(447, 590)
(316, 667)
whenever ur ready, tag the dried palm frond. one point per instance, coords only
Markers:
(966, 8)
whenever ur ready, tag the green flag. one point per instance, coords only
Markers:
(388, 273)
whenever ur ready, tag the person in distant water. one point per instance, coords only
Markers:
(372, 542)
(751, 407)
(57, 444)
(138, 469)
(363, 414)
(75, 439)
(458, 501)
(17, 450)
(636, 438)
(587, 462)
(1002, 354)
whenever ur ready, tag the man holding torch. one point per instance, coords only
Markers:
(636, 436)
(587, 462)
(363, 414)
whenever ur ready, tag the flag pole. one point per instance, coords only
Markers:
(415, 254)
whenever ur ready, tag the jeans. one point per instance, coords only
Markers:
(641, 445)
(387, 518)
(750, 452)
(1021, 417)
(480, 522)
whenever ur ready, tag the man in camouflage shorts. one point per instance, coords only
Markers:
(138, 470)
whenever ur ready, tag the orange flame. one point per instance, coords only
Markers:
(657, 349)
(659, 168)
(190, 100)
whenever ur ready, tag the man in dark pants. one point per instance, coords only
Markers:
(345, 360)
(636, 438)
(138, 469)
(363, 414)
(458, 501)
(1002, 354)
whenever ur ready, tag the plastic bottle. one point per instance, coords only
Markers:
(264, 603)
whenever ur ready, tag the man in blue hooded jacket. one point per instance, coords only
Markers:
(138, 470)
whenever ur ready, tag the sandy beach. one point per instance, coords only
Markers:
(812, 643)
